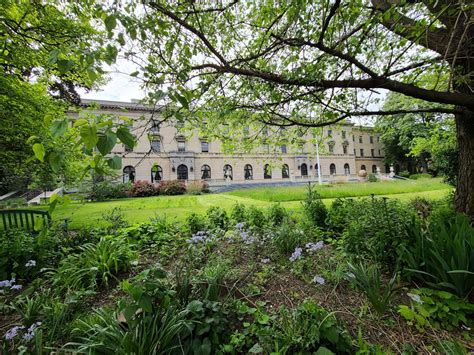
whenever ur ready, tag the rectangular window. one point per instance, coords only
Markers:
(343, 134)
(380, 154)
(353, 138)
(372, 152)
(204, 146)
(331, 148)
(344, 148)
(378, 139)
(155, 127)
(181, 146)
(362, 152)
(371, 138)
(360, 139)
(354, 151)
(266, 147)
(156, 145)
(283, 149)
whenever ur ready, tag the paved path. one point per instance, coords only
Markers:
(233, 187)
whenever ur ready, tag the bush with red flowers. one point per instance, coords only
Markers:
(173, 187)
(142, 188)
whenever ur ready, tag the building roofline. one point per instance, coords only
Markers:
(116, 105)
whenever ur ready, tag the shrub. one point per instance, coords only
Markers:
(277, 215)
(373, 178)
(287, 238)
(443, 255)
(368, 280)
(422, 207)
(95, 265)
(439, 309)
(197, 187)
(420, 176)
(142, 188)
(342, 211)
(255, 217)
(115, 220)
(314, 208)
(106, 190)
(379, 230)
(238, 213)
(173, 187)
(217, 217)
(196, 223)
(404, 173)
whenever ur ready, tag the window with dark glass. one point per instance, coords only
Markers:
(128, 174)
(181, 145)
(285, 171)
(331, 147)
(155, 127)
(374, 169)
(360, 139)
(156, 145)
(332, 169)
(362, 152)
(283, 149)
(372, 152)
(316, 169)
(347, 169)
(329, 132)
(343, 134)
(228, 172)
(267, 172)
(156, 173)
(205, 172)
(344, 148)
(248, 172)
(304, 169)
(371, 139)
(362, 167)
(182, 172)
(204, 146)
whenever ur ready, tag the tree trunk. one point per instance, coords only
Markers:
(464, 197)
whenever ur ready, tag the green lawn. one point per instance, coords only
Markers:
(178, 207)
(297, 193)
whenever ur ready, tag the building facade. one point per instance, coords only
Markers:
(162, 153)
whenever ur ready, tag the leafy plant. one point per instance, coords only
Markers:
(217, 217)
(372, 178)
(255, 218)
(115, 220)
(368, 280)
(173, 187)
(196, 223)
(287, 237)
(142, 188)
(439, 309)
(238, 213)
(314, 208)
(95, 264)
(277, 215)
(443, 255)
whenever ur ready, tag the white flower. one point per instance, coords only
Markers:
(265, 261)
(30, 263)
(319, 280)
(415, 298)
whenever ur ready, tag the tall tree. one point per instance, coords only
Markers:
(310, 63)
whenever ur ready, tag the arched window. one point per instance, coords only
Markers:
(248, 172)
(332, 169)
(374, 169)
(156, 173)
(362, 167)
(205, 172)
(228, 172)
(182, 172)
(316, 169)
(285, 171)
(128, 174)
(304, 169)
(387, 168)
(347, 169)
(267, 172)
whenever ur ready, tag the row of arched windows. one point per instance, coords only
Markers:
(228, 174)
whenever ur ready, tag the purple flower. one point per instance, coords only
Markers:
(199, 237)
(265, 261)
(30, 263)
(240, 225)
(296, 254)
(311, 247)
(319, 280)
(16, 287)
(7, 283)
(13, 332)
(31, 331)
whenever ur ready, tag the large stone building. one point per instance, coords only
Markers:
(162, 153)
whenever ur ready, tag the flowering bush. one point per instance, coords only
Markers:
(106, 190)
(197, 187)
(142, 188)
(173, 187)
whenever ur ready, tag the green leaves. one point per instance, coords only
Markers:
(110, 22)
(89, 136)
(55, 159)
(58, 128)
(125, 136)
(39, 151)
(115, 162)
(106, 142)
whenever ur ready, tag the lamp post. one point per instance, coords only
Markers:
(317, 161)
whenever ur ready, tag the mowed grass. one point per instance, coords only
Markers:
(179, 207)
(297, 193)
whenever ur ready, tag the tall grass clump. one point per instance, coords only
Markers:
(442, 256)
(314, 208)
